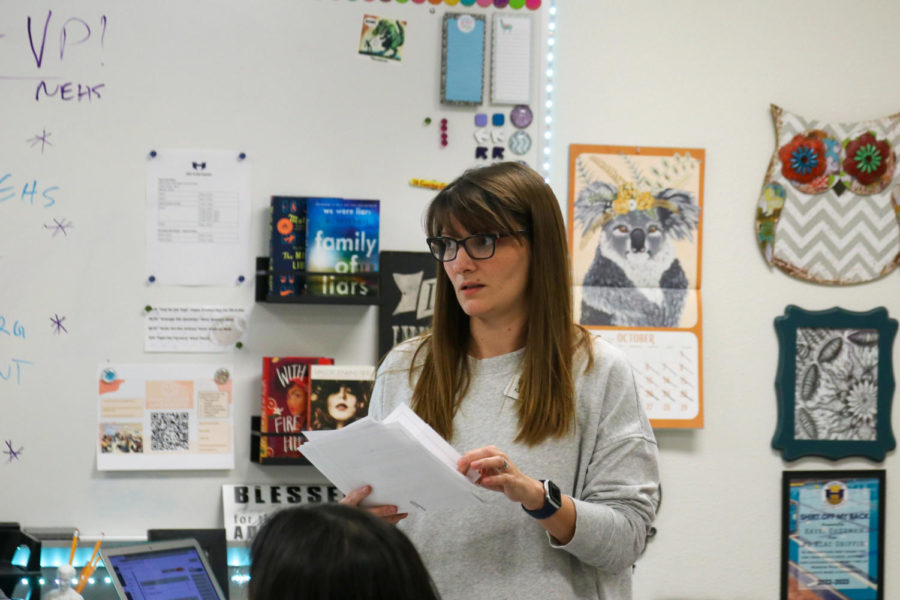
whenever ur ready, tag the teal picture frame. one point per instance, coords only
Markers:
(835, 383)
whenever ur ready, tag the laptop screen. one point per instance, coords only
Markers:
(165, 574)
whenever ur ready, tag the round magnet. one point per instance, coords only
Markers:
(521, 116)
(108, 375)
(519, 142)
(222, 376)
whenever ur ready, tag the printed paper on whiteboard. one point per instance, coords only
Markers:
(511, 60)
(194, 328)
(198, 218)
(158, 416)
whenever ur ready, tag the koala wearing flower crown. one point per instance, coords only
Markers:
(635, 279)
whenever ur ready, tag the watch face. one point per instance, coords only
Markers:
(553, 494)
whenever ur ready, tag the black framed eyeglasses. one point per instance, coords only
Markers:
(479, 247)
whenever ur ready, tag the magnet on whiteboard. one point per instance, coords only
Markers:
(520, 142)
(482, 137)
(153, 154)
(108, 375)
(242, 156)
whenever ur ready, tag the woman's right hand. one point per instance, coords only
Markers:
(385, 511)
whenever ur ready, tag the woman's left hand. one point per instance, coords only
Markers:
(498, 473)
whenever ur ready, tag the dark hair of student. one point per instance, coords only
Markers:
(332, 551)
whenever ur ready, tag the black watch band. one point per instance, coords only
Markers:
(552, 501)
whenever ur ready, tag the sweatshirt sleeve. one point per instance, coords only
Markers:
(617, 502)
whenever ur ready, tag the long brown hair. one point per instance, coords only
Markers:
(505, 198)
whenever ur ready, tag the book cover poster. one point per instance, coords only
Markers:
(635, 224)
(342, 235)
(246, 507)
(157, 417)
(382, 38)
(285, 393)
(407, 295)
(339, 395)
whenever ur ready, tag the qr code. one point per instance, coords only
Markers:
(169, 431)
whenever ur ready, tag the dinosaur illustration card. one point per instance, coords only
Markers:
(635, 217)
(382, 38)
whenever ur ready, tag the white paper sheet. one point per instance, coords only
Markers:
(511, 60)
(194, 328)
(156, 416)
(398, 457)
(198, 218)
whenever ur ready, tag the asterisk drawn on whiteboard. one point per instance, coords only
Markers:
(57, 323)
(12, 453)
(58, 226)
(42, 140)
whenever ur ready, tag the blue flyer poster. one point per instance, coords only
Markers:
(834, 524)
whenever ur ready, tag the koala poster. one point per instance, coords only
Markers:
(634, 229)
(634, 234)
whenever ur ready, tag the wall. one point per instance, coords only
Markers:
(702, 74)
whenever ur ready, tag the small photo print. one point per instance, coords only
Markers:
(121, 438)
(382, 38)
(169, 431)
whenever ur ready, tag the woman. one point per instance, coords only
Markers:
(337, 404)
(546, 413)
(331, 551)
(297, 404)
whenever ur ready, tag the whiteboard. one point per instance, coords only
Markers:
(89, 90)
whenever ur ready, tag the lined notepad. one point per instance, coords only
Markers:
(511, 60)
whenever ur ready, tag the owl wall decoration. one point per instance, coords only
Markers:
(829, 210)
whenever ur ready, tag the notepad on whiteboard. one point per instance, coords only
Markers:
(511, 60)
(462, 59)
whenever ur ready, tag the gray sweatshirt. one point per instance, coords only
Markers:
(608, 465)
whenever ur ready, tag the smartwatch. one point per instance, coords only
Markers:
(552, 501)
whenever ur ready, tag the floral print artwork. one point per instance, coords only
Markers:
(836, 388)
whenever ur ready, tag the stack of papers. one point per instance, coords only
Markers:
(404, 460)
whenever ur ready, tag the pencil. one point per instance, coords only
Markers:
(96, 549)
(74, 545)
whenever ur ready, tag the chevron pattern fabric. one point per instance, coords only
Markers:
(837, 236)
(838, 239)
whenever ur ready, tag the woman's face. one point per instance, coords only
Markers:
(494, 287)
(296, 401)
(342, 404)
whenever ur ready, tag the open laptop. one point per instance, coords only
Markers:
(161, 571)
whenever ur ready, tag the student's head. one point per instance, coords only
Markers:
(333, 551)
(506, 199)
(296, 398)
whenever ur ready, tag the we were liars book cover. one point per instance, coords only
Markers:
(342, 246)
